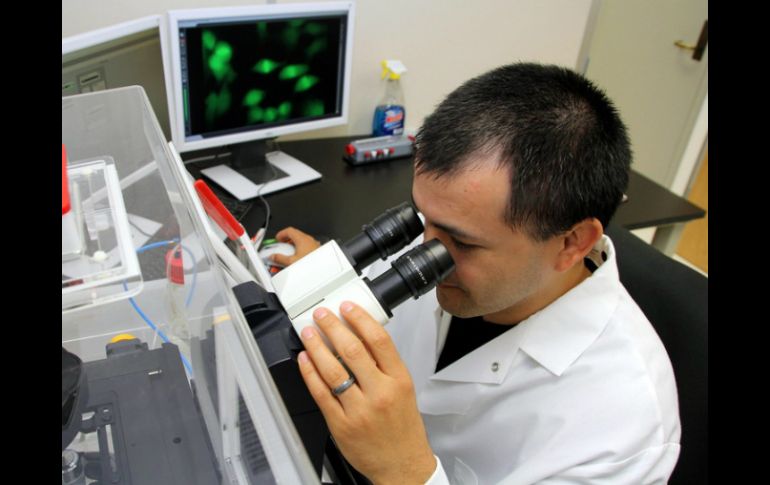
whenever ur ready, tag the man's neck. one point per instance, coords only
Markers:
(536, 302)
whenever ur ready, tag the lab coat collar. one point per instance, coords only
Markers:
(554, 337)
(487, 364)
(557, 335)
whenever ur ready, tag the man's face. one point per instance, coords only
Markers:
(498, 270)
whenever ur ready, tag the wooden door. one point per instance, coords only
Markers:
(694, 243)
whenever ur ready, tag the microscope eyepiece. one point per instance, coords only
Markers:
(413, 274)
(384, 236)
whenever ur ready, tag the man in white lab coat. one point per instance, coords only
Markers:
(530, 363)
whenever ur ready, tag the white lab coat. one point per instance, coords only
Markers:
(580, 392)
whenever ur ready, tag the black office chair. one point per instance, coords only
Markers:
(675, 300)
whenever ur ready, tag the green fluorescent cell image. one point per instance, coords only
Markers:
(256, 115)
(291, 35)
(314, 28)
(209, 40)
(254, 97)
(211, 108)
(263, 73)
(265, 66)
(219, 61)
(314, 107)
(317, 46)
(217, 104)
(293, 71)
(223, 102)
(284, 110)
(306, 82)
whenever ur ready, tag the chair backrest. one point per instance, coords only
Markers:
(675, 300)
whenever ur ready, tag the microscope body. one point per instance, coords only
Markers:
(325, 277)
(280, 345)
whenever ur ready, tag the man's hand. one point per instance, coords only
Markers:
(303, 244)
(375, 422)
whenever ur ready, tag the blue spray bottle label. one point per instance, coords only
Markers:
(388, 120)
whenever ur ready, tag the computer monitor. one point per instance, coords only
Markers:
(116, 56)
(238, 77)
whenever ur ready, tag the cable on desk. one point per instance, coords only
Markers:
(133, 224)
(259, 192)
(156, 245)
(274, 175)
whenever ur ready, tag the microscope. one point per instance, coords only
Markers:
(326, 277)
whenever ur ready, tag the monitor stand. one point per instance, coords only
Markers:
(255, 170)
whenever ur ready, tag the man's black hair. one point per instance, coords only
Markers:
(566, 147)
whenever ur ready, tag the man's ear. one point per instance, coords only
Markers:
(577, 242)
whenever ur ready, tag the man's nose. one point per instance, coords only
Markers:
(430, 233)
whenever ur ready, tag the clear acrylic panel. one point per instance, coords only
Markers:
(164, 379)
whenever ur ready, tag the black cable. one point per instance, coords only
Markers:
(138, 229)
(259, 192)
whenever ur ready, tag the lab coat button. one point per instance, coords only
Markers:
(495, 366)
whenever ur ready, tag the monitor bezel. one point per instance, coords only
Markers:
(171, 59)
(90, 40)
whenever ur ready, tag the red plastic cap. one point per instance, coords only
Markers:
(217, 210)
(350, 149)
(65, 186)
(175, 266)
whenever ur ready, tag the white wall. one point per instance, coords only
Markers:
(442, 42)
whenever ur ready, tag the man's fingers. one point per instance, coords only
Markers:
(284, 235)
(282, 259)
(303, 244)
(294, 236)
(323, 396)
(376, 338)
(349, 347)
(331, 370)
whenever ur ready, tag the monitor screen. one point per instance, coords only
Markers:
(243, 74)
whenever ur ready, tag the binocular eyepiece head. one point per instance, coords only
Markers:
(387, 234)
(412, 274)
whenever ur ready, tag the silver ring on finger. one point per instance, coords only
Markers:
(345, 385)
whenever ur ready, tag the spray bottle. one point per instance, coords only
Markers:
(389, 116)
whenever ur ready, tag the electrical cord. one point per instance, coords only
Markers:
(157, 330)
(138, 229)
(259, 192)
(144, 316)
(189, 253)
